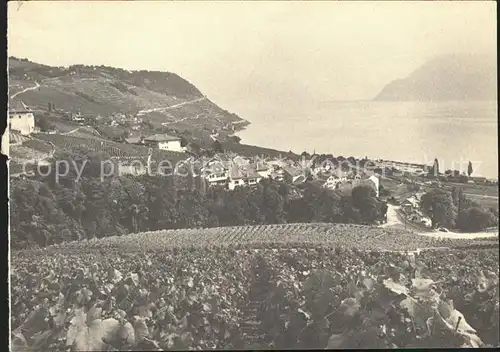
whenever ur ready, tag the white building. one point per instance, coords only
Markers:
(216, 176)
(376, 181)
(263, 170)
(164, 142)
(21, 118)
(332, 182)
(243, 177)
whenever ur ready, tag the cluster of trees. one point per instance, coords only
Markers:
(455, 174)
(44, 124)
(455, 210)
(46, 212)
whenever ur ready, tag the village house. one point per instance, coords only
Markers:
(478, 180)
(277, 174)
(217, 178)
(332, 182)
(135, 140)
(276, 164)
(418, 217)
(410, 204)
(263, 170)
(240, 160)
(292, 174)
(164, 142)
(77, 117)
(251, 176)
(243, 176)
(374, 179)
(21, 118)
(215, 173)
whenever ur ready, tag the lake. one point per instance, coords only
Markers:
(454, 132)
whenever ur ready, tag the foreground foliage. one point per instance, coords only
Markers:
(134, 297)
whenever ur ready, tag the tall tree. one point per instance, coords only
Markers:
(469, 169)
(364, 199)
(434, 170)
(217, 147)
(461, 199)
(454, 196)
(438, 205)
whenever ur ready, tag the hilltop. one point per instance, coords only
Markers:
(160, 98)
(446, 78)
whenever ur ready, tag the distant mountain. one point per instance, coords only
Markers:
(446, 78)
(158, 97)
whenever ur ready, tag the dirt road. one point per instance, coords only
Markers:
(26, 90)
(165, 108)
(393, 221)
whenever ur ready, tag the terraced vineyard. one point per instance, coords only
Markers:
(41, 146)
(108, 148)
(287, 235)
(21, 152)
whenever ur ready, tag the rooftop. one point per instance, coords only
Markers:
(133, 140)
(161, 138)
(292, 171)
(243, 172)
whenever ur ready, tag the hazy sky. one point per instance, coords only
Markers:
(246, 52)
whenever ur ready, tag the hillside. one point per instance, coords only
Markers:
(161, 98)
(446, 78)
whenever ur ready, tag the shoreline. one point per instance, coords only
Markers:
(381, 159)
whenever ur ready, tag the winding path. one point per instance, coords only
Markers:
(165, 108)
(181, 120)
(26, 90)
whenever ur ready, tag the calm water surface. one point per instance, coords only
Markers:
(454, 132)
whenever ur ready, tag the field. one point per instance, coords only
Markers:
(166, 290)
(263, 236)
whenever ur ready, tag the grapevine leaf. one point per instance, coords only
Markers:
(349, 307)
(134, 278)
(114, 275)
(417, 311)
(453, 318)
(472, 341)
(486, 280)
(77, 324)
(19, 343)
(93, 314)
(396, 287)
(107, 330)
(40, 338)
(306, 314)
(337, 341)
(141, 329)
(127, 333)
(60, 319)
(368, 283)
(422, 284)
